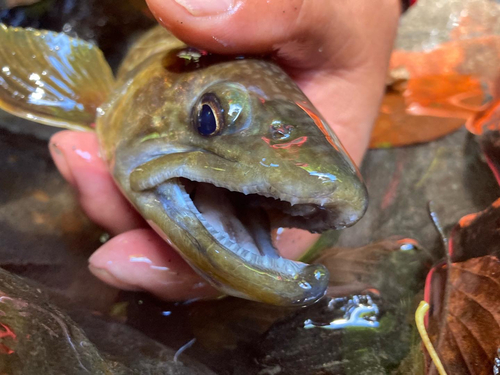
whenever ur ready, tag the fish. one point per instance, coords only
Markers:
(213, 151)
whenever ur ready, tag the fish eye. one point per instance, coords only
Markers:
(208, 117)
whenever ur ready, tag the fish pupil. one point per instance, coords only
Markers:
(207, 123)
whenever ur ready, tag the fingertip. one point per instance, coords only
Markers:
(228, 26)
(141, 260)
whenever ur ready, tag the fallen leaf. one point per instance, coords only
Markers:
(468, 337)
(426, 108)
(486, 119)
(490, 145)
(394, 267)
(477, 234)
(474, 56)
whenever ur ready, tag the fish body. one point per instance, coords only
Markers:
(213, 151)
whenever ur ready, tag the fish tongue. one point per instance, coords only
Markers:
(257, 222)
(217, 208)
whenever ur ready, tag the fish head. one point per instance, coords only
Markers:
(232, 150)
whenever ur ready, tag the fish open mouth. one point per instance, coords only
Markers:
(224, 226)
(243, 222)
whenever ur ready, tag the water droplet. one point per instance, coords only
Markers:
(102, 21)
(104, 237)
(6, 70)
(57, 48)
(100, 112)
(38, 94)
(34, 77)
(359, 311)
(67, 28)
(407, 246)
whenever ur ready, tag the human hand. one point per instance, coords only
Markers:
(336, 51)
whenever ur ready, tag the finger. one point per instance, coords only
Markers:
(141, 260)
(262, 26)
(292, 243)
(76, 155)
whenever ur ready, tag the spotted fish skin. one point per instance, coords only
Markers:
(271, 146)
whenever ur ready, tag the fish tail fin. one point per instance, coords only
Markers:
(51, 78)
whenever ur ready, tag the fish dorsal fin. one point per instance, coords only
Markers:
(52, 78)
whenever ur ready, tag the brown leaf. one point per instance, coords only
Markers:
(490, 145)
(470, 337)
(393, 267)
(477, 234)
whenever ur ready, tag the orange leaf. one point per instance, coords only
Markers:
(426, 108)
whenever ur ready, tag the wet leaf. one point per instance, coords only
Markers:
(490, 145)
(468, 337)
(367, 267)
(476, 56)
(426, 108)
(486, 119)
(477, 234)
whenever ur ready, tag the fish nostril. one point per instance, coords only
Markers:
(280, 131)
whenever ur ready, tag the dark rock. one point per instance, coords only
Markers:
(36, 338)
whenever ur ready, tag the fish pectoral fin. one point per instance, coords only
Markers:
(51, 78)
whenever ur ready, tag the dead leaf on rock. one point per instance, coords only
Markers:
(477, 234)
(490, 145)
(486, 119)
(393, 267)
(468, 341)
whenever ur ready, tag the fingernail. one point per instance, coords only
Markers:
(201, 8)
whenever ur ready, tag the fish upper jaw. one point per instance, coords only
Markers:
(334, 204)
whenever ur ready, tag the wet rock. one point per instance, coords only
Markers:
(450, 172)
(38, 338)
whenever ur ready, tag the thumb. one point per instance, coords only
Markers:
(319, 27)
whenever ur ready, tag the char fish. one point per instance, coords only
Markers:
(213, 151)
